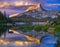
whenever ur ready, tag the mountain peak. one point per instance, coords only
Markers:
(33, 7)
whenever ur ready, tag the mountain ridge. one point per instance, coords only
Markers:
(37, 13)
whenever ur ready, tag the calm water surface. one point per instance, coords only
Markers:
(19, 40)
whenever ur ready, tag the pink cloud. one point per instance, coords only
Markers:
(15, 3)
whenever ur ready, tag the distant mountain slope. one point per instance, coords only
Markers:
(35, 13)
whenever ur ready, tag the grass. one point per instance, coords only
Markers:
(57, 27)
(38, 28)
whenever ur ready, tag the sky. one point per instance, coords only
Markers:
(14, 6)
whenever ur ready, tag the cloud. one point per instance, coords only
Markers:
(14, 6)
(15, 3)
(52, 4)
(4, 4)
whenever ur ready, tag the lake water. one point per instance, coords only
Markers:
(32, 23)
(19, 40)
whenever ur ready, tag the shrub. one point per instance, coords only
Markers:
(58, 44)
(26, 27)
(37, 28)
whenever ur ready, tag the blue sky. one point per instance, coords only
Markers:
(51, 4)
(8, 5)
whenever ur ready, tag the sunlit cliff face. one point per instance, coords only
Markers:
(36, 6)
(13, 15)
(33, 7)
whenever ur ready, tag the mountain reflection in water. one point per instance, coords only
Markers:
(11, 40)
(17, 39)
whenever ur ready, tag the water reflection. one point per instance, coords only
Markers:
(4, 42)
(28, 37)
(16, 43)
(14, 31)
(2, 29)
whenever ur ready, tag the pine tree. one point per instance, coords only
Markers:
(3, 22)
